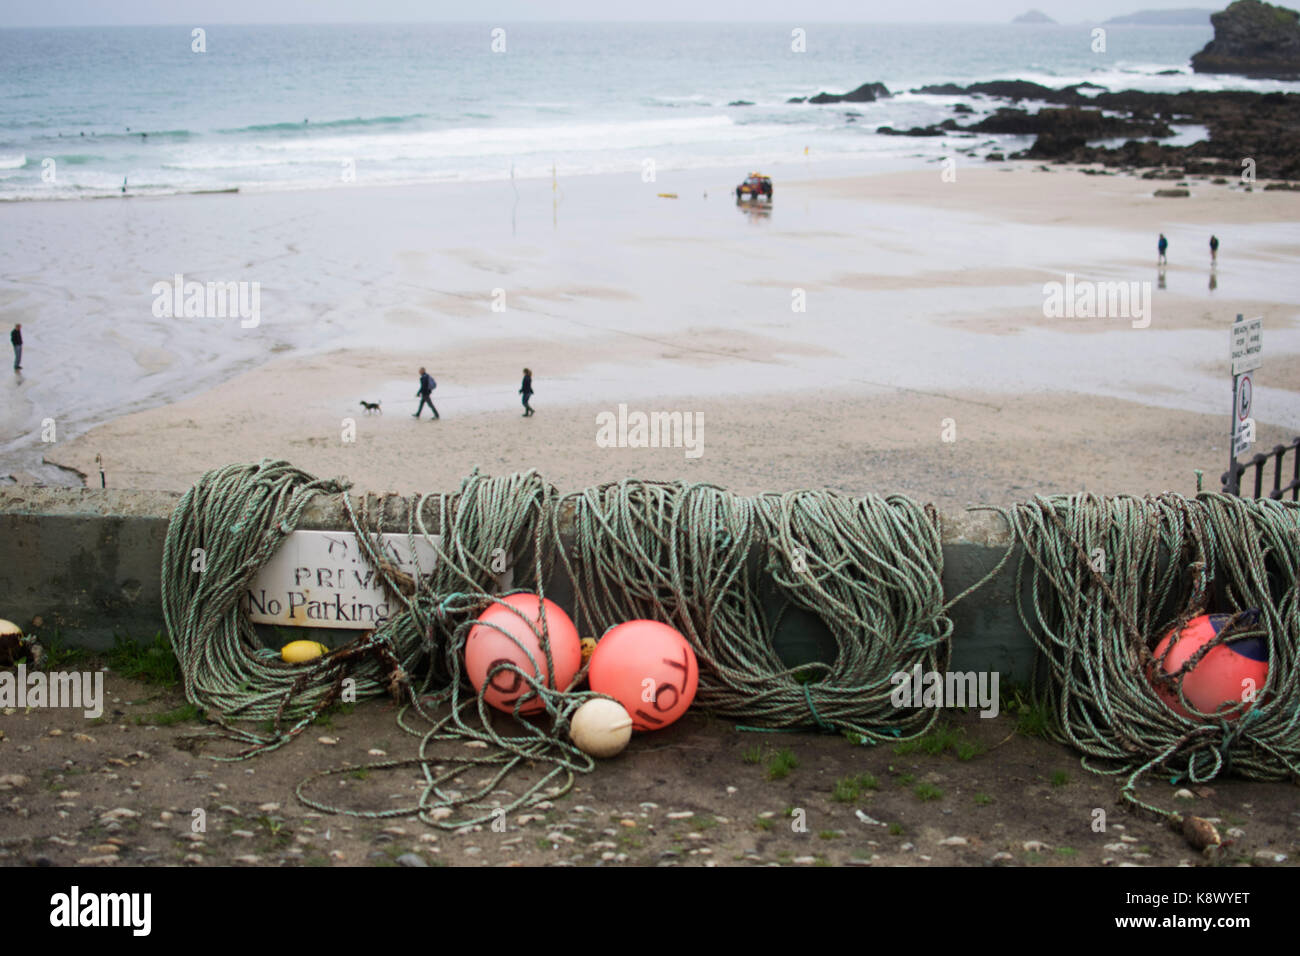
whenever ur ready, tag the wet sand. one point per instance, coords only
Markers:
(922, 301)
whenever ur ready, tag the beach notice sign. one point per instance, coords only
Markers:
(322, 579)
(1247, 351)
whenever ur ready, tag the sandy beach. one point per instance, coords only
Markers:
(921, 362)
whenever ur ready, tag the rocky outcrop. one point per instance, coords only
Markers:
(1012, 90)
(1252, 38)
(914, 131)
(1242, 125)
(1070, 122)
(1262, 128)
(866, 93)
(1033, 16)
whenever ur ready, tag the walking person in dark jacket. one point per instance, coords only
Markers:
(427, 385)
(1214, 249)
(526, 390)
(16, 340)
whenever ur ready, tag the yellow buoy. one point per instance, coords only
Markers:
(667, 195)
(299, 652)
(601, 728)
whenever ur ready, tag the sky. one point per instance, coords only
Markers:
(20, 13)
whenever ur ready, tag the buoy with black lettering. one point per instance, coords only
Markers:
(649, 668)
(507, 632)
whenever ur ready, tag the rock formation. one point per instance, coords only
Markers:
(1252, 38)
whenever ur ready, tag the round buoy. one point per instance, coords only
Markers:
(299, 652)
(11, 642)
(647, 667)
(1231, 674)
(487, 646)
(601, 728)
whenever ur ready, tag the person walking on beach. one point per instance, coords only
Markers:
(16, 340)
(1163, 246)
(1214, 249)
(526, 390)
(427, 385)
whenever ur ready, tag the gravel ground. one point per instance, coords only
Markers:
(131, 788)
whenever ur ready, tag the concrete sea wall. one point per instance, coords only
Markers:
(86, 563)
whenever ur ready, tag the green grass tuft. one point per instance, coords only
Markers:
(153, 663)
(781, 763)
(849, 789)
(167, 718)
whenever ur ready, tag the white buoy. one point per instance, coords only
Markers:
(601, 728)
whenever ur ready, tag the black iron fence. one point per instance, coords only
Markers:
(1232, 477)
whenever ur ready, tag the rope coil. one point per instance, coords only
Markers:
(1164, 560)
(690, 555)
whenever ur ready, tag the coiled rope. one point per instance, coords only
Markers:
(691, 556)
(687, 554)
(1102, 580)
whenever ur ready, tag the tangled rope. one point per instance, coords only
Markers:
(689, 555)
(692, 555)
(1102, 580)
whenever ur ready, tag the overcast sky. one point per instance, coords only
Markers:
(202, 12)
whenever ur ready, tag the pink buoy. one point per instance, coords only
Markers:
(647, 667)
(486, 646)
(1231, 674)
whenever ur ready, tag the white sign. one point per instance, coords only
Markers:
(1243, 437)
(1245, 397)
(322, 579)
(1247, 350)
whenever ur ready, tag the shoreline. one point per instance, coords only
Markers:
(902, 296)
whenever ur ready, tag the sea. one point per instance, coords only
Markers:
(95, 111)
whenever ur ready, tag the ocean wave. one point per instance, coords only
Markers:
(13, 162)
(306, 125)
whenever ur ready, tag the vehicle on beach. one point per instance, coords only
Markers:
(756, 187)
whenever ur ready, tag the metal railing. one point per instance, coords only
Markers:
(1231, 478)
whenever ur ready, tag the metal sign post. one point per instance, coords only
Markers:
(1246, 353)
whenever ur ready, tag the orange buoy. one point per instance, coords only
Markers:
(1231, 674)
(647, 667)
(519, 617)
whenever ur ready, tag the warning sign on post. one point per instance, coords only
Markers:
(1245, 397)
